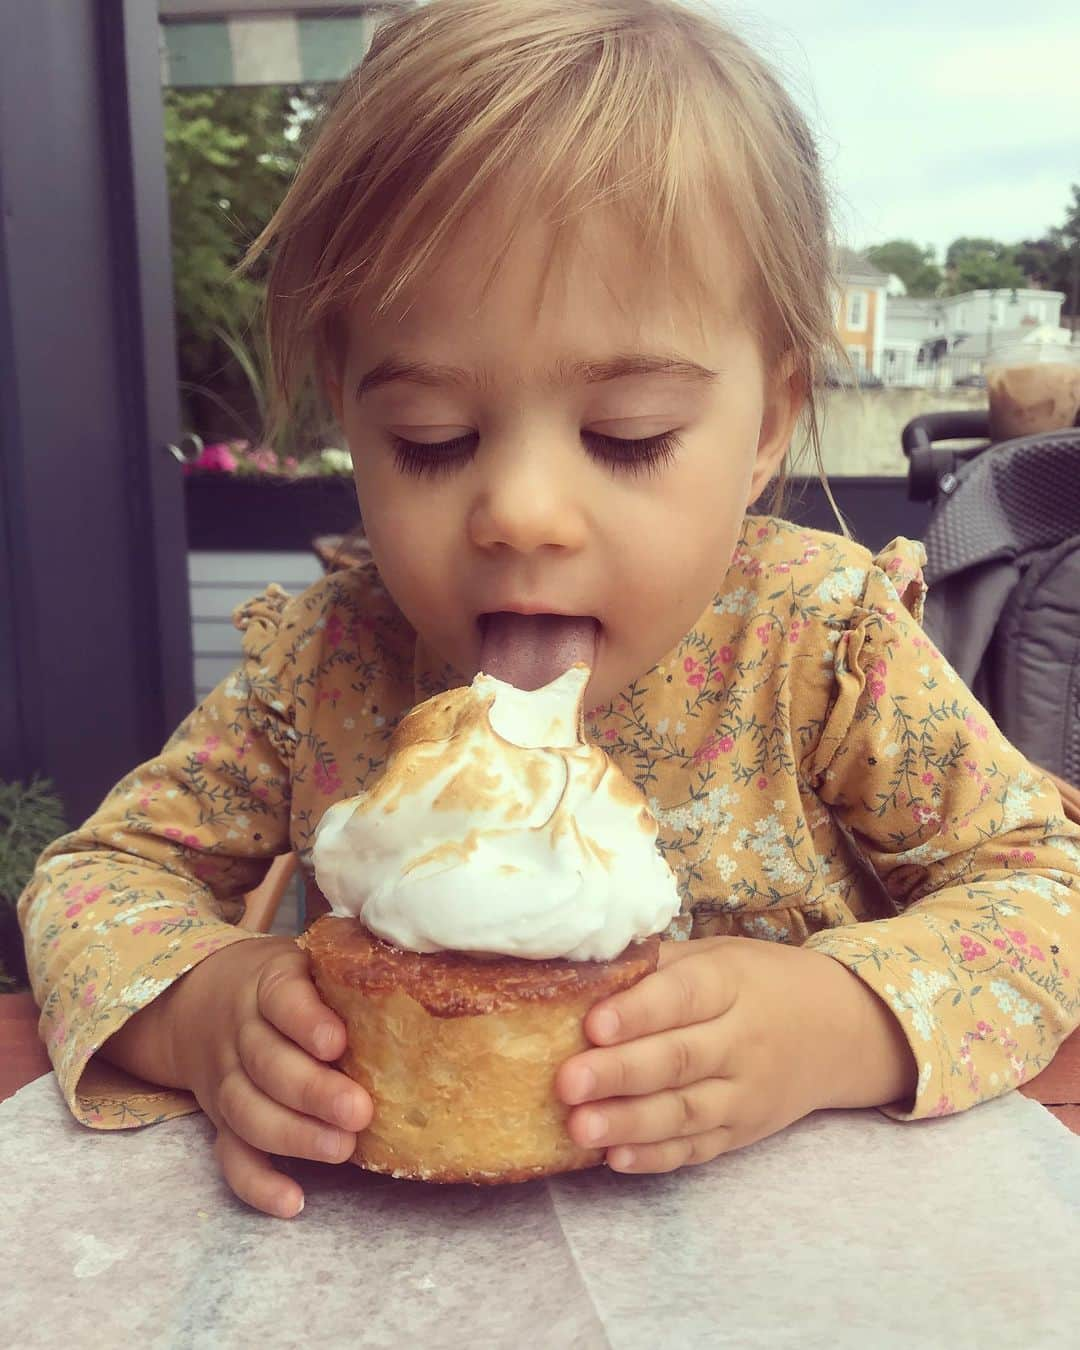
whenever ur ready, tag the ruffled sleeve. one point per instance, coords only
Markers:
(154, 881)
(981, 964)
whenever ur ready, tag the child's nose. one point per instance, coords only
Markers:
(527, 501)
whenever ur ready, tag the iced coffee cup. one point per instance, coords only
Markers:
(1032, 388)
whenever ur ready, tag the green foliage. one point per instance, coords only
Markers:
(974, 263)
(31, 817)
(230, 154)
(915, 266)
(1053, 261)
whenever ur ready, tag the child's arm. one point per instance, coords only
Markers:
(153, 882)
(982, 966)
(966, 993)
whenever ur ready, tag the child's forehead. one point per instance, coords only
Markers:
(593, 269)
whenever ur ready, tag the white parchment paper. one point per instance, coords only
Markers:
(846, 1230)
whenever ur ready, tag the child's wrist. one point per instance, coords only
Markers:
(867, 1059)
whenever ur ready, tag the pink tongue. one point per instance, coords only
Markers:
(531, 650)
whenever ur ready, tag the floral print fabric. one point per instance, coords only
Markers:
(819, 773)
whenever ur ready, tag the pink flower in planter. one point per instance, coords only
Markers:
(216, 458)
(264, 459)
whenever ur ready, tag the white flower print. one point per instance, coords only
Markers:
(844, 582)
(140, 992)
(725, 865)
(1019, 796)
(712, 809)
(768, 840)
(919, 999)
(1011, 1002)
(738, 601)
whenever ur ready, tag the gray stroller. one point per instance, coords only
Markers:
(1003, 570)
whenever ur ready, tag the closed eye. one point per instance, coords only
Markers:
(439, 458)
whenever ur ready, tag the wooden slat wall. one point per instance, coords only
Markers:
(221, 581)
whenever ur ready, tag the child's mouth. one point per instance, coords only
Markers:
(530, 650)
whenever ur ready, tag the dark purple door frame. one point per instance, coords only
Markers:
(95, 634)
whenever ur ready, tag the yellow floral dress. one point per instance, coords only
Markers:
(820, 776)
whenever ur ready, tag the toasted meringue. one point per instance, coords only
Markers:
(495, 829)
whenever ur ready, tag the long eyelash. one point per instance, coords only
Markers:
(433, 460)
(621, 456)
(635, 457)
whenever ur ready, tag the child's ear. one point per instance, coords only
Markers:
(785, 398)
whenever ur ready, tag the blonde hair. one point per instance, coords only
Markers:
(653, 106)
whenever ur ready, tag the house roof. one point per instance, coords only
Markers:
(852, 266)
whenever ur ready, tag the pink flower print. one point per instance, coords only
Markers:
(708, 750)
(89, 997)
(763, 631)
(1036, 952)
(326, 779)
(726, 744)
(763, 532)
(877, 689)
(944, 1107)
(999, 943)
(762, 783)
(928, 778)
(610, 734)
(983, 1027)
(335, 630)
(172, 834)
(191, 840)
(726, 655)
(794, 631)
(974, 725)
(695, 672)
(330, 696)
(970, 949)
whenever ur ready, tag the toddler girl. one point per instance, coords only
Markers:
(562, 270)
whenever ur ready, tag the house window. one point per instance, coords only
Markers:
(858, 357)
(856, 310)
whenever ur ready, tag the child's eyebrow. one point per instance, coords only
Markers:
(392, 368)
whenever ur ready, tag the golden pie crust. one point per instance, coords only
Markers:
(460, 1052)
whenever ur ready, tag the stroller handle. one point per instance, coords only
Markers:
(945, 426)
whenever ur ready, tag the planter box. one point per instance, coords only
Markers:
(259, 514)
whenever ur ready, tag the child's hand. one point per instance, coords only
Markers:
(729, 1041)
(250, 1034)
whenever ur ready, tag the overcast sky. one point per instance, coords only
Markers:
(937, 117)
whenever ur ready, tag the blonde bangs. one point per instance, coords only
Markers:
(552, 108)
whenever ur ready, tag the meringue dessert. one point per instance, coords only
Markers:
(500, 879)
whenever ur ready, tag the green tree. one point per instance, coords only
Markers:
(915, 266)
(1053, 262)
(230, 154)
(973, 263)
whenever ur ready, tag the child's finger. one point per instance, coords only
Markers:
(290, 1076)
(696, 989)
(671, 1154)
(698, 1109)
(274, 1128)
(650, 1064)
(250, 1176)
(288, 999)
